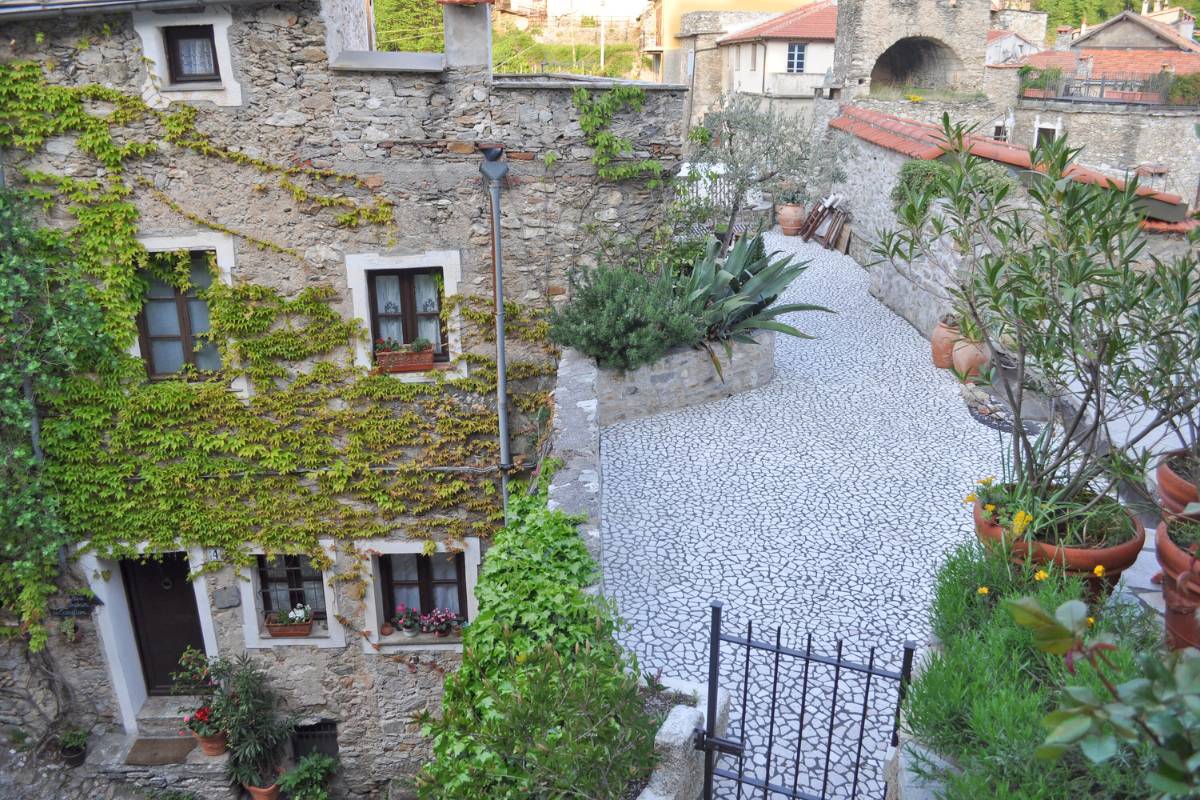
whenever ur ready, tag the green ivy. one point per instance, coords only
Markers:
(609, 150)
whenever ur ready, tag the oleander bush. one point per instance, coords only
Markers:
(981, 699)
(545, 704)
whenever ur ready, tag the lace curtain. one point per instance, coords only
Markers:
(387, 301)
(196, 57)
(426, 290)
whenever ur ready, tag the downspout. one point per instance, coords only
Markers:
(494, 170)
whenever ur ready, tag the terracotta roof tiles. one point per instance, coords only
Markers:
(1117, 62)
(815, 22)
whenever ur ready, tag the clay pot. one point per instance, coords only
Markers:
(259, 793)
(410, 633)
(969, 357)
(386, 630)
(73, 756)
(790, 217)
(1077, 561)
(1181, 590)
(212, 745)
(941, 343)
(1174, 490)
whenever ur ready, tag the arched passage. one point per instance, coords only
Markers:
(917, 61)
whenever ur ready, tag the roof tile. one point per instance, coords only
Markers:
(815, 22)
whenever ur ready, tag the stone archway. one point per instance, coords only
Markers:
(918, 61)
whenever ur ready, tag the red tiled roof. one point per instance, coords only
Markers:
(1117, 62)
(815, 22)
(1158, 226)
(1165, 32)
(926, 141)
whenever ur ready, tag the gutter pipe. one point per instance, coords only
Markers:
(494, 170)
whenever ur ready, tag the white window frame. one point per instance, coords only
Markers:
(222, 244)
(158, 91)
(114, 626)
(374, 642)
(358, 265)
(1039, 124)
(792, 48)
(254, 628)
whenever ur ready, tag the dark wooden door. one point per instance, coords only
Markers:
(165, 620)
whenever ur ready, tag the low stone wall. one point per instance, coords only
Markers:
(680, 771)
(683, 377)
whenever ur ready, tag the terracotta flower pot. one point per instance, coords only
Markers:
(1181, 590)
(790, 217)
(1078, 561)
(941, 343)
(386, 630)
(263, 793)
(1174, 490)
(403, 361)
(287, 629)
(212, 745)
(969, 357)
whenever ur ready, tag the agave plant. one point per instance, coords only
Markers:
(733, 297)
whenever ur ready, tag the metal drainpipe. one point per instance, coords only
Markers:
(494, 170)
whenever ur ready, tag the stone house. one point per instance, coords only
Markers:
(289, 157)
(786, 60)
(1004, 47)
(1019, 17)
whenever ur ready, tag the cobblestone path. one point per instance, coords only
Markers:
(821, 503)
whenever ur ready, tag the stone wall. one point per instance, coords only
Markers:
(1029, 24)
(410, 138)
(1117, 139)
(699, 33)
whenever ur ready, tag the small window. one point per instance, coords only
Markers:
(173, 325)
(285, 582)
(753, 58)
(320, 737)
(407, 305)
(424, 582)
(1045, 136)
(795, 57)
(1000, 133)
(191, 54)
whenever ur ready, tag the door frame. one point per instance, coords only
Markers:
(114, 624)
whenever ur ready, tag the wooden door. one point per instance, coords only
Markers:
(165, 620)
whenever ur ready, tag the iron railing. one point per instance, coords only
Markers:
(1145, 89)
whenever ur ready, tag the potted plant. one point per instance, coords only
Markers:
(968, 353)
(392, 356)
(257, 731)
(789, 210)
(408, 620)
(72, 744)
(205, 725)
(1176, 543)
(307, 780)
(297, 622)
(441, 622)
(942, 340)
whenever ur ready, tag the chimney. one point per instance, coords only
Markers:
(1083, 25)
(1145, 7)
(1062, 37)
(1186, 27)
(468, 33)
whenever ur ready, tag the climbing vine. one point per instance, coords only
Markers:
(610, 150)
(316, 447)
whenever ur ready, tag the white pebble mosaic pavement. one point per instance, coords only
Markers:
(823, 503)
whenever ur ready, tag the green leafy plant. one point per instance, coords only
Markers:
(249, 710)
(1159, 706)
(308, 779)
(73, 738)
(596, 114)
(545, 703)
(1185, 89)
(623, 318)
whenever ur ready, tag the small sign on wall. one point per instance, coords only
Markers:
(78, 605)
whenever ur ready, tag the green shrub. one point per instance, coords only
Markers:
(623, 318)
(1185, 90)
(306, 780)
(919, 177)
(981, 699)
(545, 704)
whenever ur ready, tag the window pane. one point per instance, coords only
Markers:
(426, 289)
(408, 596)
(162, 318)
(201, 276)
(307, 569)
(208, 357)
(391, 328)
(431, 328)
(404, 567)
(198, 315)
(167, 356)
(314, 595)
(196, 56)
(275, 567)
(157, 287)
(446, 596)
(444, 566)
(387, 294)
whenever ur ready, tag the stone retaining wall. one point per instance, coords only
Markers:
(680, 771)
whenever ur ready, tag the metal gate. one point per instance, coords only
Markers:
(790, 742)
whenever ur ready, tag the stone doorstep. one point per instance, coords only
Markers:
(198, 773)
(160, 718)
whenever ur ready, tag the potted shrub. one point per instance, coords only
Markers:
(205, 725)
(296, 622)
(942, 340)
(392, 356)
(72, 745)
(441, 622)
(307, 780)
(408, 620)
(789, 210)
(257, 731)
(1176, 543)
(968, 353)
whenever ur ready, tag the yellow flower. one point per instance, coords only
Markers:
(990, 507)
(1041, 575)
(1091, 621)
(1021, 521)
(969, 499)
(981, 590)
(986, 481)
(1098, 571)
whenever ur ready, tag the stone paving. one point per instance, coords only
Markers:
(822, 503)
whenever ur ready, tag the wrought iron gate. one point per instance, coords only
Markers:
(793, 751)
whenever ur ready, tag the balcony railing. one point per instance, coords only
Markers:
(1163, 88)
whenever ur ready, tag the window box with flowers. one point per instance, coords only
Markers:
(297, 622)
(393, 356)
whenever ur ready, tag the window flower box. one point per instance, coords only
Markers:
(400, 361)
(297, 622)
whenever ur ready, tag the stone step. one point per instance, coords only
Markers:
(160, 717)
